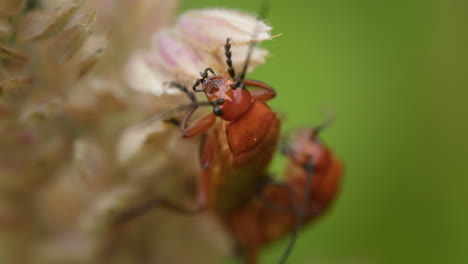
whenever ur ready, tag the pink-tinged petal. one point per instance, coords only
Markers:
(211, 27)
(174, 52)
(143, 73)
(178, 57)
(134, 138)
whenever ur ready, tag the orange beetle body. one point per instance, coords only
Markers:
(256, 224)
(244, 150)
(238, 149)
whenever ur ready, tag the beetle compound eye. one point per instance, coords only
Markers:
(220, 101)
(217, 110)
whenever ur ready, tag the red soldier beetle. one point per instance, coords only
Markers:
(250, 129)
(311, 181)
(235, 152)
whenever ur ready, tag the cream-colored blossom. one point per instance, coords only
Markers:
(209, 28)
(81, 143)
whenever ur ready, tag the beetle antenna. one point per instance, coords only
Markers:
(183, 89)
(167, 116)
(329, 120)
(239, 80)
(309, 167)
(228, 53)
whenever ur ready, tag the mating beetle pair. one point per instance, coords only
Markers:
(235, 154)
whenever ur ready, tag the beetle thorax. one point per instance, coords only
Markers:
(307, 146)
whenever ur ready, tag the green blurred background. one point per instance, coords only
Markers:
(395, 72)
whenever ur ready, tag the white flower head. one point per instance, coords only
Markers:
(178, 53)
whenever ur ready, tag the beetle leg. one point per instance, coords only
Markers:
(173, 121)
(263, 198)
(149, 205)
(198, 127)
(207, 150)
(266, 93)
(301, 213)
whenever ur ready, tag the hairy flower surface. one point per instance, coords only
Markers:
(81, 83)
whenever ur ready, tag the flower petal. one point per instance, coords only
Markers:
(144, 73)
(90, 53)
(135, 137)
(42, 24)
(71, 40)
(13, 54)
(91, 162)
(210, 27)
(177, 55)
